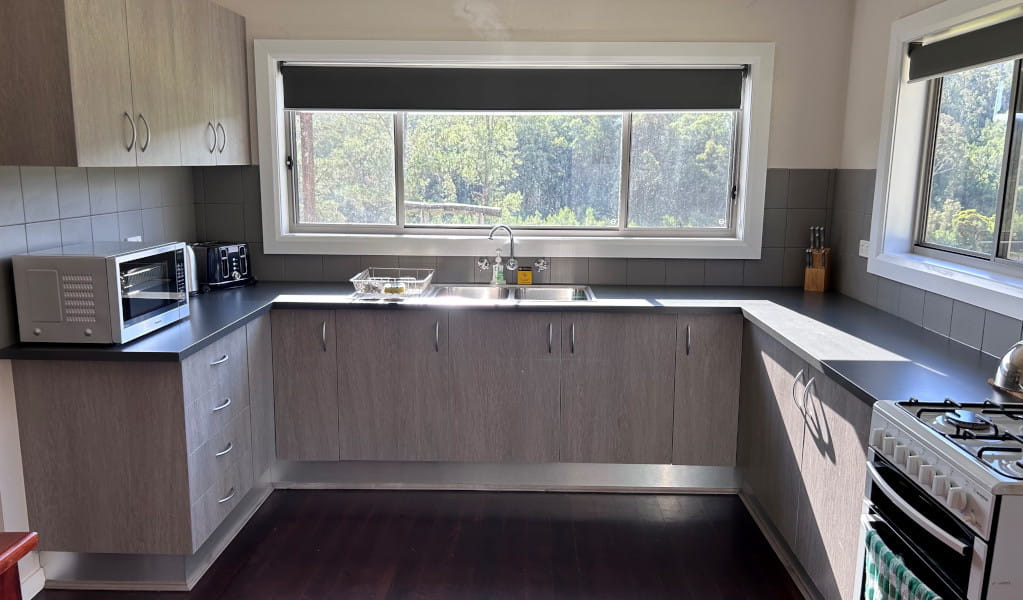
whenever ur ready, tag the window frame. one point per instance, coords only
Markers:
(894, 252)
(751, 130)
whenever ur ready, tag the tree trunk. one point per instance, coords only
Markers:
(308, 169)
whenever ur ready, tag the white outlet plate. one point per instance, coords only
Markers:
(864, 248)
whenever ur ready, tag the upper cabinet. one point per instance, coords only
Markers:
(112, 83)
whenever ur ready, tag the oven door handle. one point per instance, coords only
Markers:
(939, 534)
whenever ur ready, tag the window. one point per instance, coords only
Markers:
(560, 171)
(616, 150)
(970, 203)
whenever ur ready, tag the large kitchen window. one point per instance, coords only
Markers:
(628, 150)
(972, 197)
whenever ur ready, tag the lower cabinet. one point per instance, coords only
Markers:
(802, 451)
(617, 387)
(305, 384)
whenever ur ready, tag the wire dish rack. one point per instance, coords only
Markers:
(388, 283)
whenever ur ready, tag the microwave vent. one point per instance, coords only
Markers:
(79, 298)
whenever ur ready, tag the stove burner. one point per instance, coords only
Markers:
(967, 419)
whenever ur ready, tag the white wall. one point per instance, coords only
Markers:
(811, 60)
(868, 62)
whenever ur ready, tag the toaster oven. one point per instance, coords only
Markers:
(100, 293)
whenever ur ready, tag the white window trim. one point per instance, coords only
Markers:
(752, 169)
(893, 231)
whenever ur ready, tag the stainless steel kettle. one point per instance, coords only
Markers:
(1009, 376)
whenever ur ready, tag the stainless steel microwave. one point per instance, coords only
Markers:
(100, 293)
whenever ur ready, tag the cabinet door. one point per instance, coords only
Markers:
(194, 71)
(261, 393)
(154, 85)
(393, 383)
(231, 88)
(506, 379)
(771, 428)
(100, 82)
(833, 471)
(707, 364)
(617, 387)
(305, 384)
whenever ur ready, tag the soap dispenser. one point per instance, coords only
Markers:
(497, 277)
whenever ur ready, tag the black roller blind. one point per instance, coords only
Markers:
(990, 44)
(308, 87)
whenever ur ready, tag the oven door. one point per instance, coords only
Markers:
(149, 286)
(937, 547)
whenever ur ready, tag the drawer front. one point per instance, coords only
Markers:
(229, 451)
(228, 477)
(220, 366)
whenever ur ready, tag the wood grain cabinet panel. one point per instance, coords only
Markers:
(305, 384)
(261, 393)
(617, 387)
(154, 84)
(505, 400)
(393, 384)
(230, 86)
(195, 85)
(708, 358)
(833, 471)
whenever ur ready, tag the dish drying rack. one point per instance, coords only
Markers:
(391, 283)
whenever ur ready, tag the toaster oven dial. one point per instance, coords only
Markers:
(957, 498)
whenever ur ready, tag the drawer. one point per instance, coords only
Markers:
(229, 481)
(221, 366)
(210, 415)
(229, 451)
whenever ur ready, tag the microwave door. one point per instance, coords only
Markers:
(148, 287)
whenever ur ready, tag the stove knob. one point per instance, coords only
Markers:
(901, 452)
(876, 437)
(913, 462)
(926, 474)
(888, 444)
(957, 498)
(940, 485)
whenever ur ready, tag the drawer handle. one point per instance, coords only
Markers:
(227, 497)
(323, 336)
(230, 447)
(223, 359)
(227, 402)
(571, 339)
(550, 338)
(436, 336)
(689, 339)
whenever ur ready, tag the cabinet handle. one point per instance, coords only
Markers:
(213, 130)
(323, 336)
(223, 143)
(689, 339)
(227, 497)
(550, 338)
(436, 336)
(134, 132)
(806, 391)
(571, 339)
(149, 133)
(798, 377)
(223, 359)
(230, 447)
(227, 402)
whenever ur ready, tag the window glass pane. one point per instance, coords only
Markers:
(558, 170)
(344, 167)
(969, 147)
(681, 169)
(1014, 208)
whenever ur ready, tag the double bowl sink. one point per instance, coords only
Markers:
(511, 293)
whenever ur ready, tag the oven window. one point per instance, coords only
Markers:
(149, 286)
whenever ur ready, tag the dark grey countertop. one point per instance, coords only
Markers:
(873, 354)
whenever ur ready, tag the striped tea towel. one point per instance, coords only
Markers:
(887, 578)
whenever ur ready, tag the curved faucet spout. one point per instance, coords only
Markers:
(511, 238)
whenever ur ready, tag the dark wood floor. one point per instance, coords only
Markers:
(313, 545)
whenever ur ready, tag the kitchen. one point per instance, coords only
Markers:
(680, 370)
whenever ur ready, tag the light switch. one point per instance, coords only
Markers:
(864, 248)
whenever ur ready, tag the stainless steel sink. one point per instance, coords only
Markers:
(554, 293)
(522, 293)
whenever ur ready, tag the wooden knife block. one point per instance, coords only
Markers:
(816, 277)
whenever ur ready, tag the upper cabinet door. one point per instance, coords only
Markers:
(100, 74)
(617, 387)
(154, 84)
(230, 85)
(194, 73)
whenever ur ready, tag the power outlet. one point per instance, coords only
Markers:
(864, 248)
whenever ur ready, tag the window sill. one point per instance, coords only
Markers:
(525, 245)
(992, 291)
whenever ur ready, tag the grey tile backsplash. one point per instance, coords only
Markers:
(228, 207)
(973, 326)
(43, 207)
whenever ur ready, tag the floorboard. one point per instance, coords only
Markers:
(329, 544)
